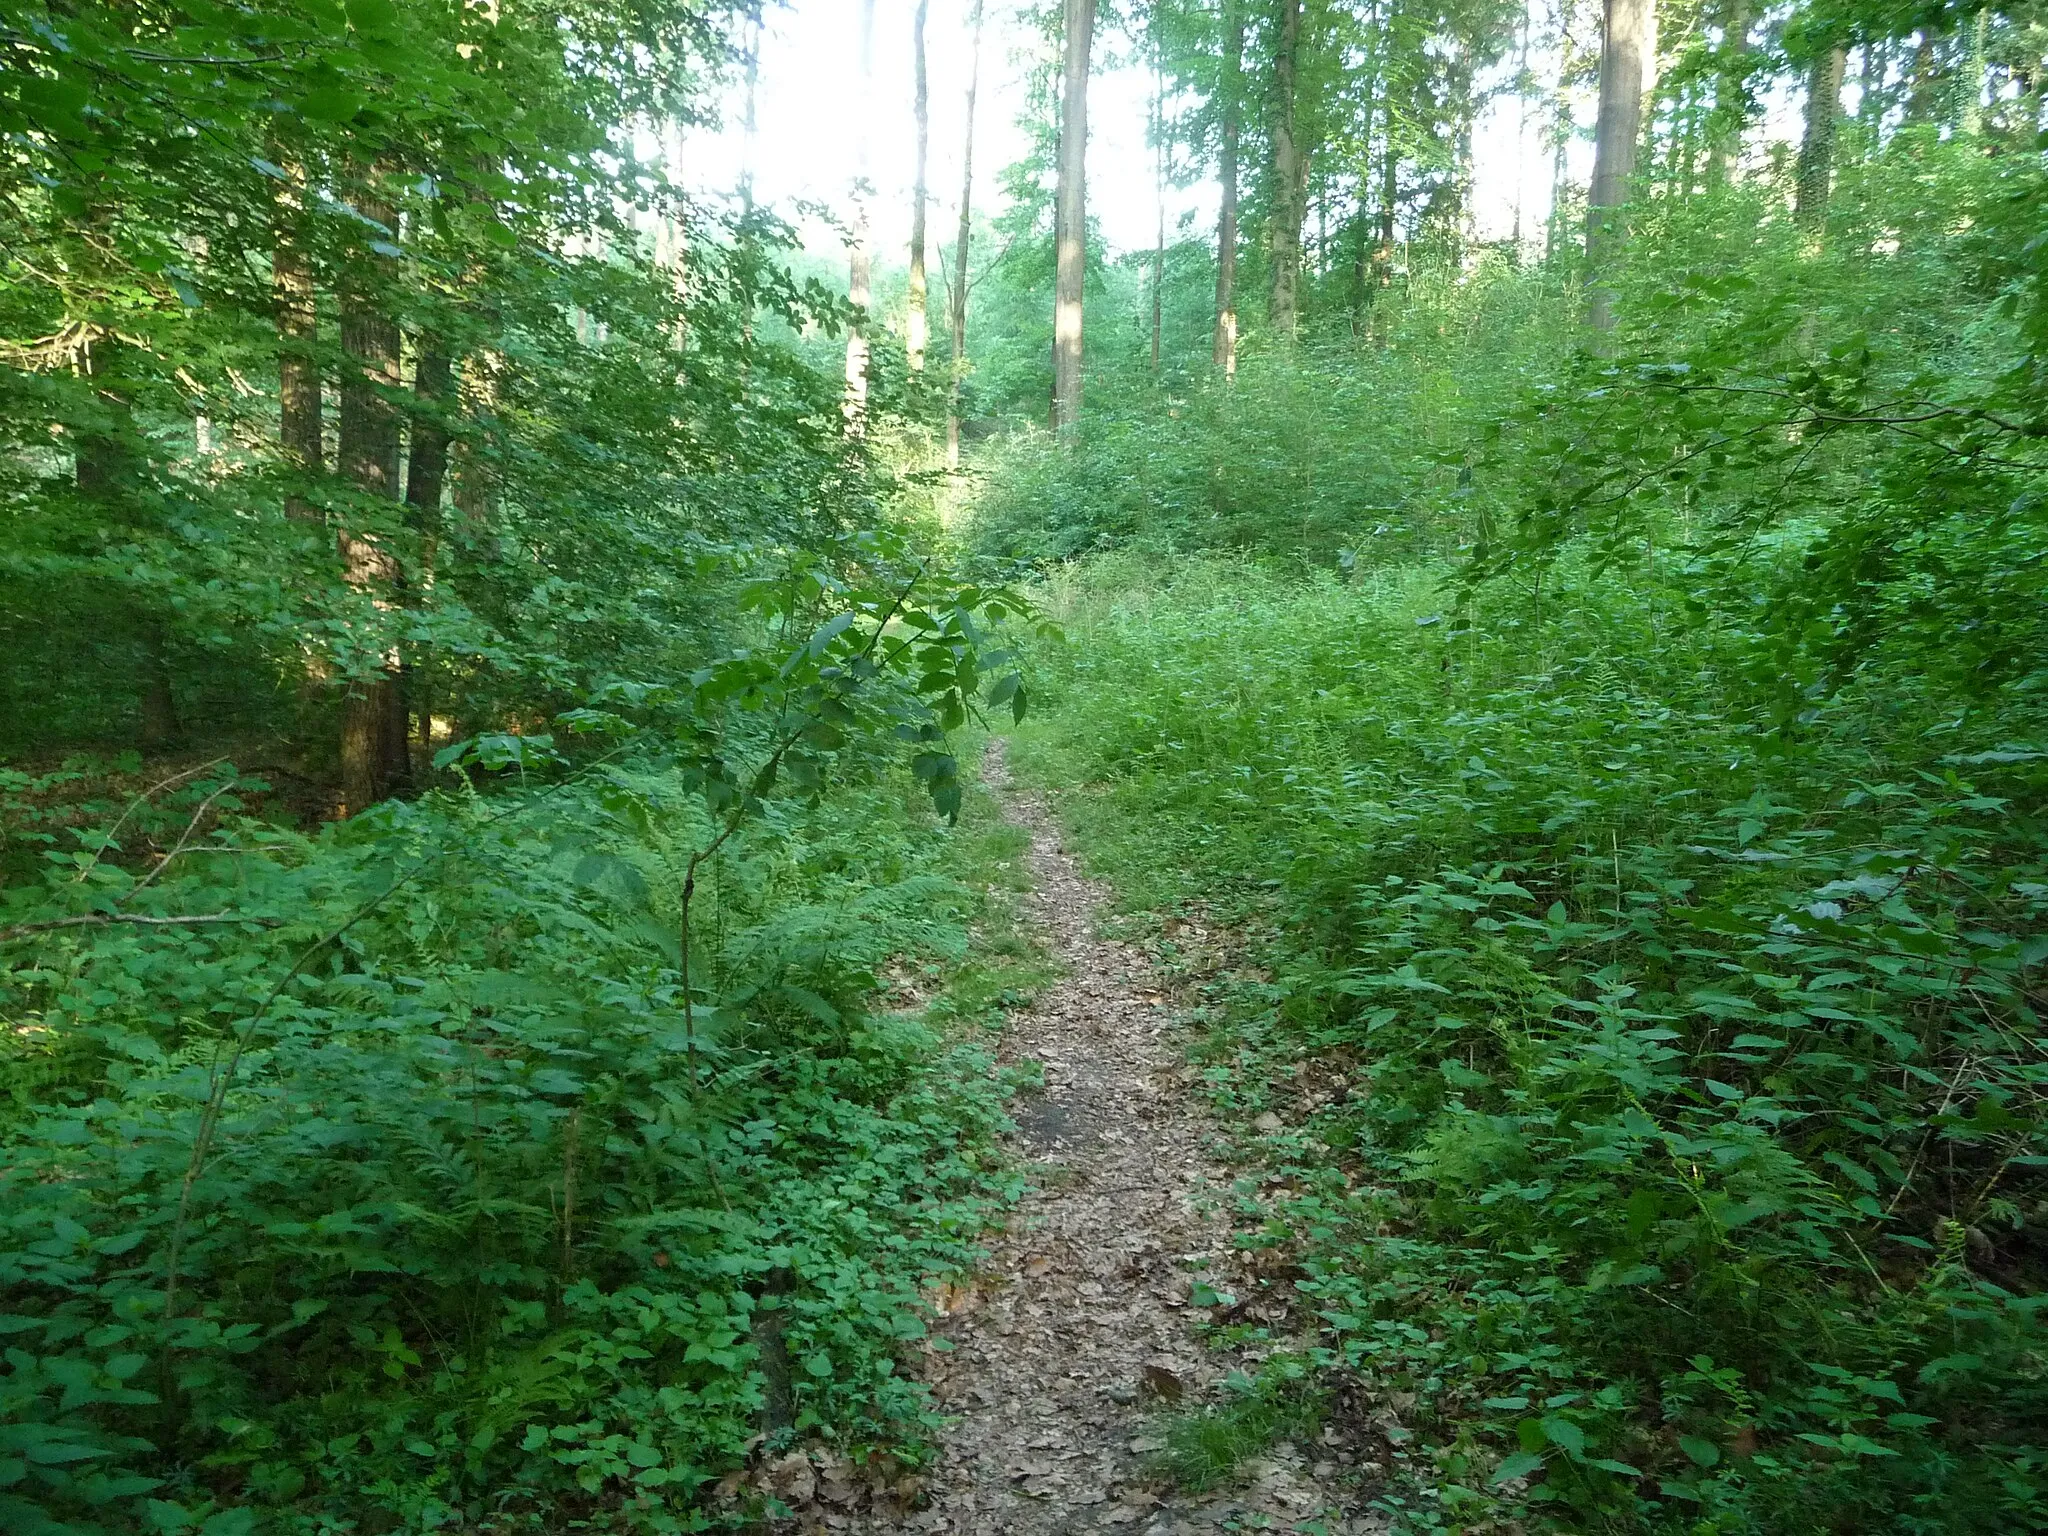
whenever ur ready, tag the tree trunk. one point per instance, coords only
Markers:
(1071, 218)
(1628, 73)
(106, 469)
(426, 476)
(298, 368)
(1283, 303)
(859, 263)
(1817, 145)
(1390, 196)
(373, 752)
(1158, 202)
(1731, 94)
(918, 322)
(959, 295)
(1970, 86)
(1224, 352)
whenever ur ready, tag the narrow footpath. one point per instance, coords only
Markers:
(1082, 1329)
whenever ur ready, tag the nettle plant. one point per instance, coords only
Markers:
(540, 1193)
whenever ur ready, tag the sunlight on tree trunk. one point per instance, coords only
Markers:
(1817, 144)
(1628, 74)
(1070, 233)
(917, 323)
(1224, 352)
(958, 304)
(1285, 218)
(859, 261)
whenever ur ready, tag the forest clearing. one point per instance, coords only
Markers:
(1023, 766)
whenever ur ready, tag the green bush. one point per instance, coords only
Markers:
(471, 1248)
(1680, 1144)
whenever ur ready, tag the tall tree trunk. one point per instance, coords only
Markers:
(859, 261)
(373, 753)
(1071, 218)
(749, 114)
(106, 469)
(1158, 201)
(298, 368)
(1628, 73)
(959, 295)
(1729, 115)
(1224, 351)
(918, 323)
(426, 476)
(1817, 144)
(1970, 81)
(1389, 198)
(1283, 303)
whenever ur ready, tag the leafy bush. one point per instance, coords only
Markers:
(1667, 1074)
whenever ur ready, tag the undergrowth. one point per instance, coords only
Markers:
(1662, 1078)
(474, 1248)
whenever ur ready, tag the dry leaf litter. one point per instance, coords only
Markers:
(1083, 1328)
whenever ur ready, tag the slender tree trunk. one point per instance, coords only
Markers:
(106, 469)
(373, 753)
(959, 295)
(1817, 145)
(1283, 303)
(859, 260)
(1071, 218)
(1390, 196)
(1730, 112)
(426, 477)
(918, 323)
(298, 368)
(1521, 124)
(1158, 202)
(749, 115)
(1224, 354)
(1628, 73)
(1970, 84)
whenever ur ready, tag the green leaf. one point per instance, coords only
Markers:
(1703, 1452)
(1564, 1434)
(331, 104)
(1521, 1464)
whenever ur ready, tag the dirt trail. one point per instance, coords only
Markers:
(1081, 1328)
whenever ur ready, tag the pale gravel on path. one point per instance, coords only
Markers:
(1062, 1346)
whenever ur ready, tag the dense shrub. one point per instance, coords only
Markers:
(1667, 1076)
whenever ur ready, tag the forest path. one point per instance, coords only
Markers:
(1081, 1327)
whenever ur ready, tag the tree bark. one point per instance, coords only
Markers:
(1817, 144)
(1224, 352)
(1283, 303)
(918, 323)
(1158, 202)
(426, 477)
(1731, 94)
(374, 758)
(1628, 73)
(298, 368)
(1071, 218)
(959, 295)
(859, 262)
